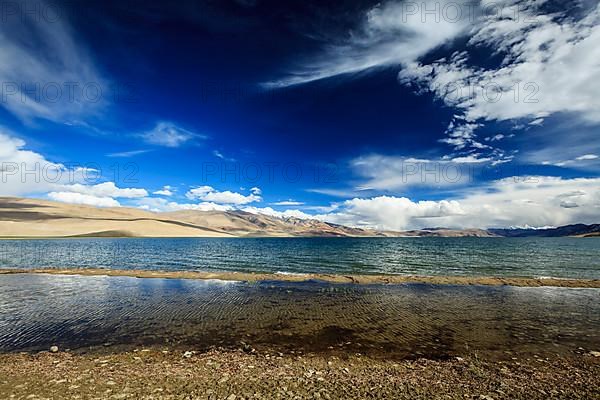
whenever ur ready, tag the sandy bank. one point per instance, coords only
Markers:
(357, 279)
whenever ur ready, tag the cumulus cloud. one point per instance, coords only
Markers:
(279, 214)
(23, 171)
(535, 201)
(168, 134)
(156, 204)
(100, 195)
(210, 194)
(392, 213)
(165, 191)
(105, 189)
(86, 199)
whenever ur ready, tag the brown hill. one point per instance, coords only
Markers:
(40, 218)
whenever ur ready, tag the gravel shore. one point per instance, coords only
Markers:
(162, 373)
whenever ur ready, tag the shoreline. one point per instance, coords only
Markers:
(165, 373)
(330, 278)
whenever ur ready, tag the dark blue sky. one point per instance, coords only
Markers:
(338, 110)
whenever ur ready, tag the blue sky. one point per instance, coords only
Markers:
(394, 115)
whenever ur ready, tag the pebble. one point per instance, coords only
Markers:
(54, 349)
(595, 353)
(188, 354)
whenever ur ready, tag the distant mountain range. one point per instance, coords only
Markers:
(580, 230)
(40, 218)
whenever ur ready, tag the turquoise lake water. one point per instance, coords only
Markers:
(525, 257)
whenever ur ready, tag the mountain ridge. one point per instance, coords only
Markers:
(33, 218)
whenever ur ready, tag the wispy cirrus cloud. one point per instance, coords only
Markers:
(44, 71)
(392, 33)
(127, 154)
(537, 64)
(168, 134)
(548, 67)
(288, 203)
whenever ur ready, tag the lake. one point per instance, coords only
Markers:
(523, 257)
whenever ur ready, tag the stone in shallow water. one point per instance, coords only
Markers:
(54, 349)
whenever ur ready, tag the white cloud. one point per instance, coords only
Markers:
(163, 205)
(44, 72)
(549, 66)
(390, 34)
(278, 214)
(471, 159)
(86, 199)
(210, 194)
(555, 55)
(575, 162)
(105, 189)
(587, 157)
(220, 155)
(168, 134)
(535, 201)
(165, 191)
(495, 137)
(288, 203)
(127, 154)
(392, 213)
(23, 171)
(388, 173)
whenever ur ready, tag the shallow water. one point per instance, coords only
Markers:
(524, 257)
(411, 320)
